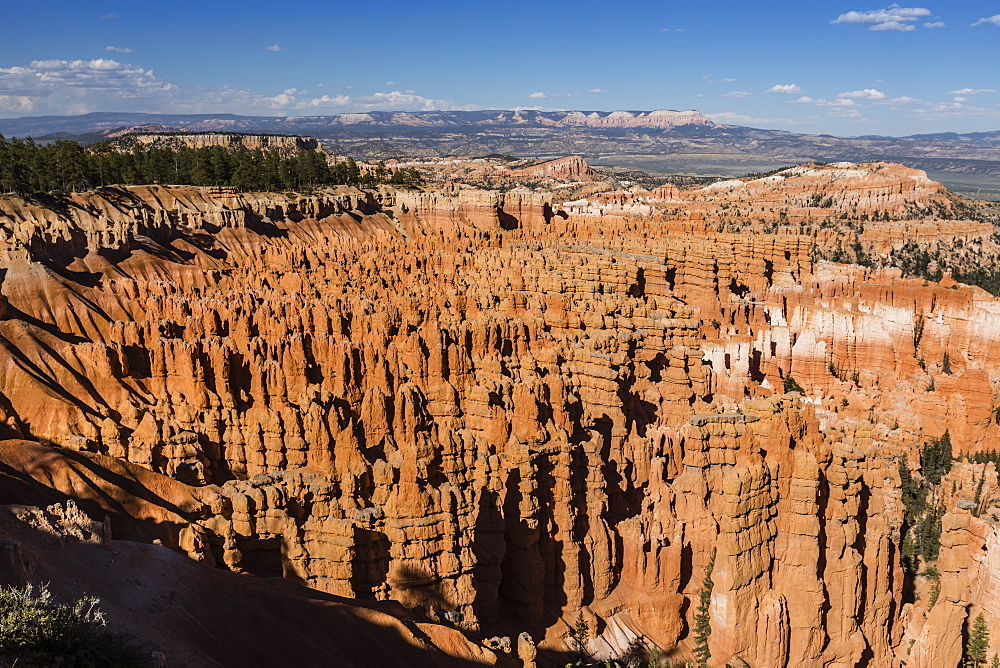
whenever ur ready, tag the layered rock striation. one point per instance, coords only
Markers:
(502, 411)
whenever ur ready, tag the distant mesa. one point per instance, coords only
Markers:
(595, 119)
(171, 138)
(572, 167)
(114, 124)
(148, 128)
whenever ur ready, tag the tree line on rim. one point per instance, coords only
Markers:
(66, 166)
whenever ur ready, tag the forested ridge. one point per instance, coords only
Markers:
(66, 166)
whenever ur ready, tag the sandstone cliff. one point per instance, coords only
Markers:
(175, 140)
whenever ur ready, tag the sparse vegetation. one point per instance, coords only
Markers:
(934, 575)
(918, 333)
(792, 386)
(35, 629)
(702, 617)
(922, 519)
(579, 634)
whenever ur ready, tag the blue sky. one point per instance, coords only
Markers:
(847, 67)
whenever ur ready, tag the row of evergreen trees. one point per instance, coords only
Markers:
(65, 166)
(922, 521)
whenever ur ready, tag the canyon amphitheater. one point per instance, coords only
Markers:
(443, 425)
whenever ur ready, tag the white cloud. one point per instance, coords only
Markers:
(736, 93)
(671, 29)
(893, 17)
(732, 118)
(274, 48)
(971, 91)
(405, 100)
(904, 100)
(82, 86)
(840, 102)
(961, 99)
(77, 86)
(21, 104)
(841, 107)
(935, 24)
(43, 77)
(895, 26)
(863, 94)
(993, 20)
(729, 80)
(391, 83)
(112, 15)
(279, 101)
(785, 89)
(595, 90)
(401, 100)
(118, 49)
(326, 101)
(542, 96)
(951, 111)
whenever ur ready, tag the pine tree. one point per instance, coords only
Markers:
(936, 458)
(654, 658)
(978, 643)
(71, 165)
(702, 617)
(27, 168)
(579, 634)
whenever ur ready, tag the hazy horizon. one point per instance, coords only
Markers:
(842, 68)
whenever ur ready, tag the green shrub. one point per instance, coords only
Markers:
(37, 629)
(792, 386)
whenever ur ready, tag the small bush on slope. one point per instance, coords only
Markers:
(36, 629)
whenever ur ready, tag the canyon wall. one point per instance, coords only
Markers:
(499, 408)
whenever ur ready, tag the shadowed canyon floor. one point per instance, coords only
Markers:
(457, 413)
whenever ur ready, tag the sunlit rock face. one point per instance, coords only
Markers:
(517, 407)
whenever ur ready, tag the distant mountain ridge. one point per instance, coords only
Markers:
(664, 141)
(104, 121)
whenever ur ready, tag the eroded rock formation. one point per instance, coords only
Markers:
(500, 409)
